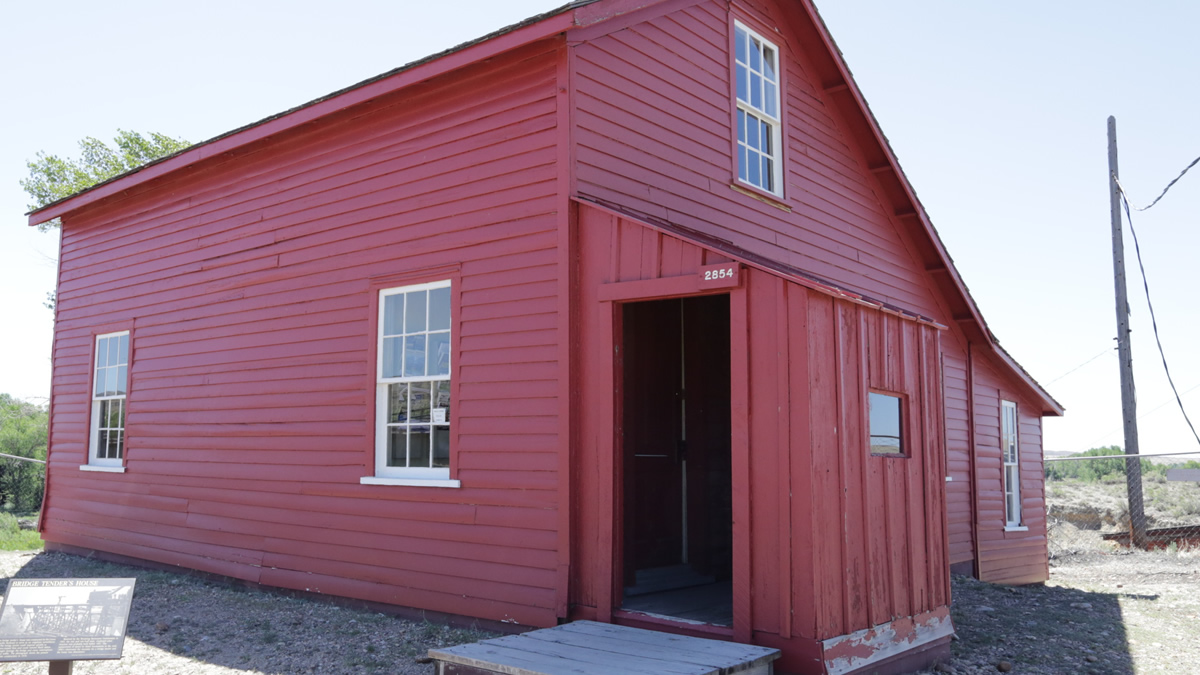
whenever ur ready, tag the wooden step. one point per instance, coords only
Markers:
(591, 648)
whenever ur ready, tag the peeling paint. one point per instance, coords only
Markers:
(847, 653)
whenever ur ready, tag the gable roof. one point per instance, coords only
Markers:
(832, 73)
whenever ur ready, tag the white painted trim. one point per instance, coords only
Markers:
(105, 469)
(414, 482)
(1007, 409)
(779, 176)
(1016, 528)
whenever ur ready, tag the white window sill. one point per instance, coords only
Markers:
(415, 482)
(1016, 528)
(105, 469)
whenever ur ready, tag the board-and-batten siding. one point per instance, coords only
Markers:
(838, 540)
(246, 284)
(1008, 556)
(654, 130)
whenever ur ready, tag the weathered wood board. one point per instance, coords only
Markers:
(591, 648)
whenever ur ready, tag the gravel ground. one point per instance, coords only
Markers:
(1114, 612)
(180, 625)
(1100, 613)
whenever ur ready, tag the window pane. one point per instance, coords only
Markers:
(753, 166)
(439, 309)
(441, 447)
(102, 352)
(740, 42)
(414, 353)
(397, 446)
(114, 346)
(120, 445)
(442, 396)
(392, 350)
(439, 354)
(742, 163)
(122, 378)
(768, 178)
(393, 314)
(771, 104)
(110, 381)
(756, 90)
(113, 420)
(741, 125)
(755, 55)
(123, 350)
(885, 424)
(418, 407)
(100, 381)
(752, 129)
(418, 447)
(414, 318)
(397, 403)
(743, 83)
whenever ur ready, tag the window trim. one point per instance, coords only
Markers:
(776, 122)
(1010, 490)
(380, 473)
(905, 444)
(94, 462)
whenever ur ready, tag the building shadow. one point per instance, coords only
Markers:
(1040, 628)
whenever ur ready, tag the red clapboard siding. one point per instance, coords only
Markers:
(638, 147)
(250, 388)
(1008, 556)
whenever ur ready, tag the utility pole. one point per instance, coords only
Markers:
(1133, 465)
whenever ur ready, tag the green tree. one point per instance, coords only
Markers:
(24, 429)
(52, 178)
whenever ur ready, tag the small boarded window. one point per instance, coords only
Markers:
(886, 413)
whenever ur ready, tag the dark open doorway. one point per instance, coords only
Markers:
(678, 532)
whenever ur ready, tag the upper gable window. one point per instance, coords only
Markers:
(759, 131)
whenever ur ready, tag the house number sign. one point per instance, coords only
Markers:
(725, 275)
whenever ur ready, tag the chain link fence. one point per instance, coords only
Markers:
(1088, 505)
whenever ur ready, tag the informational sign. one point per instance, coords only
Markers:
(725, 275)
(64, 619)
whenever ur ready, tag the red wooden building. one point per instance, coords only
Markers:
(624, 313)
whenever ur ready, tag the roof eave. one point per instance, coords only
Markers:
(525, 32)
(1050, 406)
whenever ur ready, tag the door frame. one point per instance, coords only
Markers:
(611, 507)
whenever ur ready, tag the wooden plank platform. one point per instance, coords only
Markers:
(591, 648)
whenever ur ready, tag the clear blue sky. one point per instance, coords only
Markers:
(996, 110)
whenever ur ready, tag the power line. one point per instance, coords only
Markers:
(1107, 350)
(1146, 286)
(1161, 194)
(1141, 416)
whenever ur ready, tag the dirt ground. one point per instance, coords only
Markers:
(183, 625)
(1101, 612)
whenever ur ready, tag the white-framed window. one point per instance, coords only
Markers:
(1012, 463)
(886, 418)
(106, 448)
(760, 143)
(412, 393)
